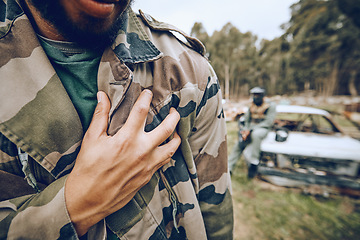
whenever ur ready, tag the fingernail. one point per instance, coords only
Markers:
(172, 109)
(148, 91)
(98, 95)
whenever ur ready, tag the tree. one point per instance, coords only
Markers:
(325, 46)
(232, 54)
(319, 51)
(272, 64)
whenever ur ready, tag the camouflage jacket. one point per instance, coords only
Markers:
(188, 199)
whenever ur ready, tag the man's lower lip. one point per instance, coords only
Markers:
(98, 8)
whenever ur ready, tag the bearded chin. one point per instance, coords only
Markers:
(89, 39)
(83, 34)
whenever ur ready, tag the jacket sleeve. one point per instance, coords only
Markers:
(37, 216)
(209, 138)
(41, 216)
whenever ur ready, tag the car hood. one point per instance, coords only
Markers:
(314, 145)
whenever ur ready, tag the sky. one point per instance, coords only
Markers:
(262, 17)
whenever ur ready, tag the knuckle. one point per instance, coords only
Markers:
(148, 177)
(167, 160)
(98, 111)
(171, 153)
(168, 130)
(142, 108)
(168, 154)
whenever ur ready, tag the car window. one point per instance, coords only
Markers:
(287, 120)
(349, 127)
(302, 122)
(307, 124)
(325, 126)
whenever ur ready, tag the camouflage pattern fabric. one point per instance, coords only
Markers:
(37, 116)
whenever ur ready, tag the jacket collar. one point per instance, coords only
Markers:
(38, 115)
(9, 10)
(133, 45)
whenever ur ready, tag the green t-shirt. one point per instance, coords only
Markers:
(77, 69)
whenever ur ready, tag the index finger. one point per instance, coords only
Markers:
(166, 128)
(140, 110)
(99, 122)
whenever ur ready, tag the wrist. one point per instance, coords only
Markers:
(83, 214)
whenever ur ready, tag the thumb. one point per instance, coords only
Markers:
(99, 122)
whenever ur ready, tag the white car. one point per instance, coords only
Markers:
(307, 147)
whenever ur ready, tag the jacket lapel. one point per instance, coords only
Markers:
(131, 46)
(38, 115)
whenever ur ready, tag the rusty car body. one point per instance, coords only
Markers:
(306, 147)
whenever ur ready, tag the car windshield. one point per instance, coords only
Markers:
(305, 122)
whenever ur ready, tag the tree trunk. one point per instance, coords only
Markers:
(236, 90)
(306, 86)
(227, 80)
(352, 87)
(246, 89)
(332, 81)
(272, 89)
(261, 82)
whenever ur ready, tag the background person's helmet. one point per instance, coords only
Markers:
(258, 95)
(258, 90)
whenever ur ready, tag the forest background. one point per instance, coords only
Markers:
(319, 51)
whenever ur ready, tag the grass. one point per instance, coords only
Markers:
(266, 211)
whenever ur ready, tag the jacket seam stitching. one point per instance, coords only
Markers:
(10, 25)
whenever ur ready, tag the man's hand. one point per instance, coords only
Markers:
(245, 134)
(109, 170)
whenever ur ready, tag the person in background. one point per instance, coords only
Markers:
(115, 124)
(258, 121)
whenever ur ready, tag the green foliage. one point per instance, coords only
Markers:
(351, 8)
(325, 45)
(233, 55)
(319, 50)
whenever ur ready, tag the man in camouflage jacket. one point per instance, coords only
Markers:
(183, 191)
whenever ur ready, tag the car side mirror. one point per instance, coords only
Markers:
(281, 134)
